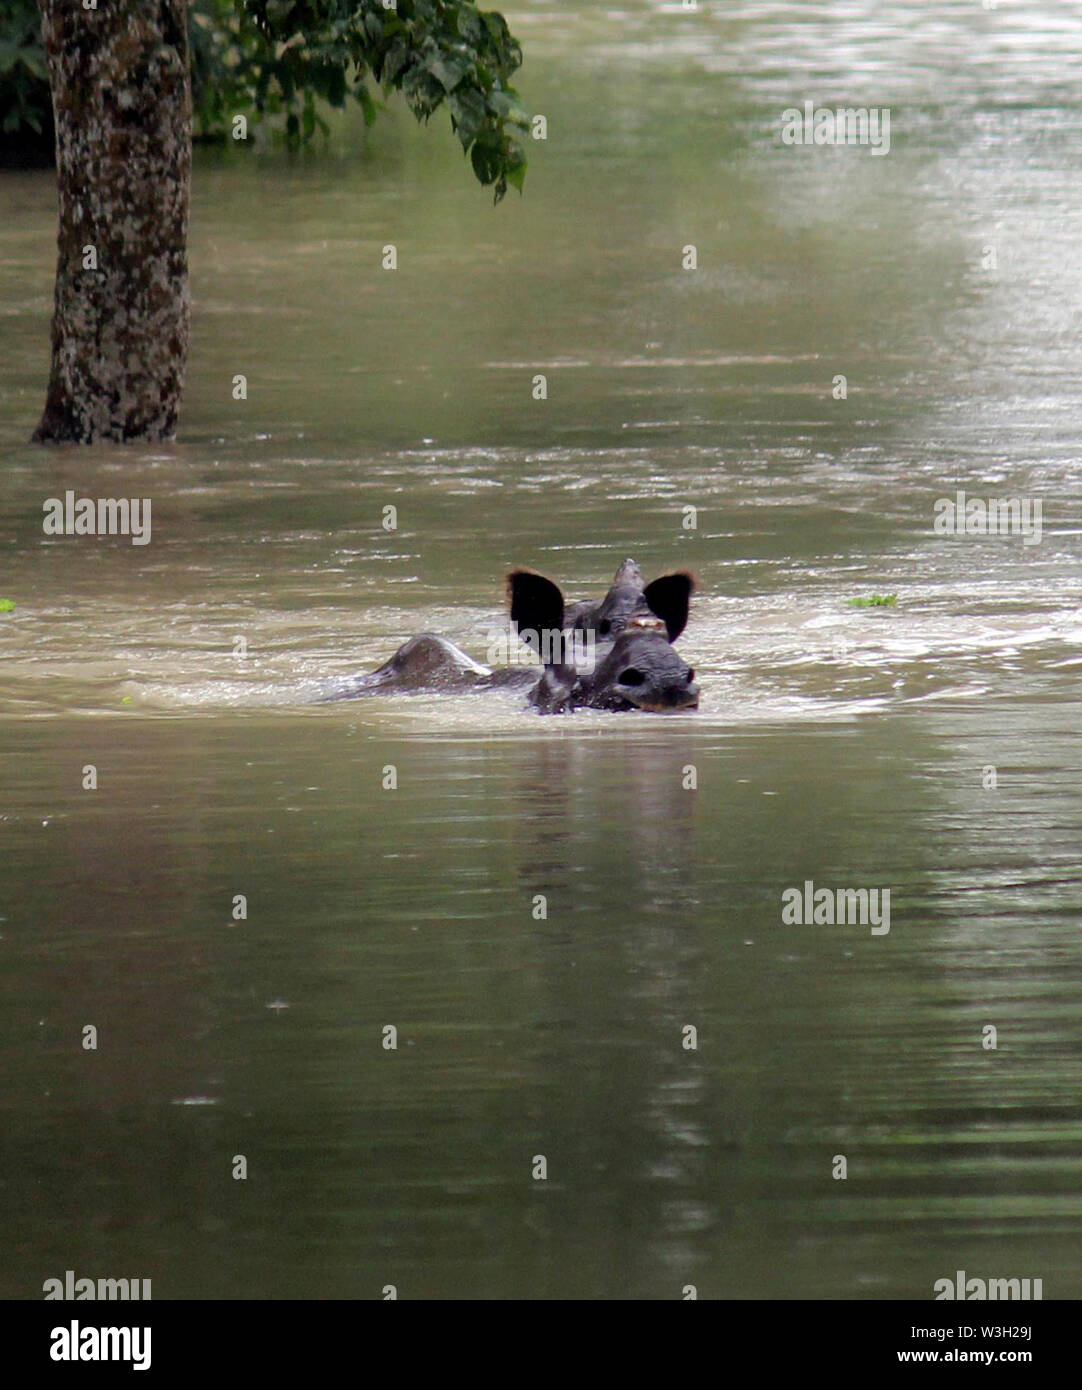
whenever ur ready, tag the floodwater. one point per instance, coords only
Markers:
(932, 747)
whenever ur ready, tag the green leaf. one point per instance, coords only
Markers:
(506, 105)
(448, 72)
(469, 25)
(497, 28)
(7, 605)
(469, 113)
(368, 106)
(516, 173)
(336, 86)
(395, 60)
(422, 91)
(876, 601)
(35, 64)
(487, 161)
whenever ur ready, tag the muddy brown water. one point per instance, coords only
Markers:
(844, 746)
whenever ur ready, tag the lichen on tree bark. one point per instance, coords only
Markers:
(122, 101)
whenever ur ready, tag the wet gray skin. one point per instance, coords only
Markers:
(631, 602)
(432, 663)
(634, 666)
(636, 670)
(640, 670)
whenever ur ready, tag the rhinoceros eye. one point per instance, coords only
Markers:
(604, 627)
(631, 677)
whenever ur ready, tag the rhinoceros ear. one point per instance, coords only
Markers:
(669, 597)
(537, 606)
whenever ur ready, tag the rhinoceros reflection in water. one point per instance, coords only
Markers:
(628, 635)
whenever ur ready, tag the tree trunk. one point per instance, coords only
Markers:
(122, 101)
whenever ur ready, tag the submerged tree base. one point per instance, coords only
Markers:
(63, 423)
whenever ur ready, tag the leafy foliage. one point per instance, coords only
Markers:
(26, 109)
(289, 53)
(876, 601)
(282, 58)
